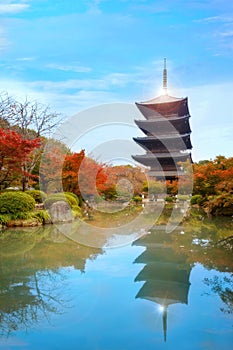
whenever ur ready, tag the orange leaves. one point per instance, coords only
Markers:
(213, 177)
(83, 175)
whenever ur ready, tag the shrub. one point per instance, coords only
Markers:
(53, 198)
(196, 199)
(38, 195)
(170, 199)
(183, 197)
(42, 215)
(137, 199)
(76, 211)
(221, 204)
(16, 202)
(4, 219)
(74, 196)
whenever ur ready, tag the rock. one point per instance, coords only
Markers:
(60, 212)
(39, 206)
(24, 223)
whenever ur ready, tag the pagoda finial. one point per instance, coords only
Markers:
(165, 323)
(165, 77)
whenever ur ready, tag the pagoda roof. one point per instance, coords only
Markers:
(161, 143)
(170, 292)
(158, 234)
(161, 99)
(161, 137)
(168, 174)
(176, 155)
(160, 126)
(164, 105)
(166, 119)
(155, 256)
(164, 271)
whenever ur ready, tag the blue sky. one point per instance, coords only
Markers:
(73, 54)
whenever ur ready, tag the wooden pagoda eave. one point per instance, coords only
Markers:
(168, 118)
(162, 137)
(153, 143)
(178, 157)
(163, 99)
(157, 107)
(168, 174)
(163, 126)
(172, 291)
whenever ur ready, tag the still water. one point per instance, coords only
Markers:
(163, 291)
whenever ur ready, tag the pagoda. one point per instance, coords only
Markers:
(167, 141)
(166, 272)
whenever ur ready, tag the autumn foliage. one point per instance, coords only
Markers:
(15, 151)
(213, 181)
(25, 157)
(83, 175)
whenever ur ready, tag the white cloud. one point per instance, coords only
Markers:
(93, 6)
(227, 34)
(213, 19)
(11, 8)
(70, 68)
(26, 59)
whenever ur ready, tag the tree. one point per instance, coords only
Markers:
(14, 153)
(123, 174)
(154, 187)
(29, 118)
(51, 167)
(92, 178)
(70, 172)
(213, 180)
(213, 177)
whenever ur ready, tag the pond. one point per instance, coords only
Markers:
(161, 291)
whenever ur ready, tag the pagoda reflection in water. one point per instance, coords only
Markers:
(166, 272)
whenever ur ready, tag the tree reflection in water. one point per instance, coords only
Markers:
(32, 278)
(224, 288)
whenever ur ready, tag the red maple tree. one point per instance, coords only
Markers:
(14, 153)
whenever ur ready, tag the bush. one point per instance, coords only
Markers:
(66, 197)
(183, 197)
(76, 211)
(74, 196)
(4, 219)
(170, 199)
(16, 202)
(221, 204)
(39, 196)
(196, 199)
(137, 199)
(42, 215)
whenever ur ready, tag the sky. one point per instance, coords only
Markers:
(76, 54)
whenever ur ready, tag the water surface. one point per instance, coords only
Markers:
(163, 291)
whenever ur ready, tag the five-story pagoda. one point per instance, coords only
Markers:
(167, 141)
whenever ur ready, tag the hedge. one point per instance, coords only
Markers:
(16, 202)
(38, 195)
(53, 198)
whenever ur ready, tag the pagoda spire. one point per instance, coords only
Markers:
(165, 77)
(165, 323)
